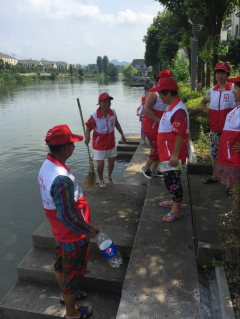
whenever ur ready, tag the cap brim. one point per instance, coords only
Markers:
(234, 80)
(76, 138)
(222, 69)
(154, 89)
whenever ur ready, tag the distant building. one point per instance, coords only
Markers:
(78, 66)
(29, 62)
(62, 65)
(8, 59)
(231, 26)
(143, 70)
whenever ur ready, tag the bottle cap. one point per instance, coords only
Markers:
(97, 232)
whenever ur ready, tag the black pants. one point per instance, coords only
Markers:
(172, 180)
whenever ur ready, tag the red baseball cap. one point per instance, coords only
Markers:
(237, 79)
(165, 74)
(165, 84)
(144, 98)
(104, 96)
(223, 66)
(61, 134)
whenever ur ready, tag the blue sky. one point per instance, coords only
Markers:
(76, 31)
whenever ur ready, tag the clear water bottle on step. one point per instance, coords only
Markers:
(109, 250)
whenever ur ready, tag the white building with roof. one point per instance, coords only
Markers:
(8, 59)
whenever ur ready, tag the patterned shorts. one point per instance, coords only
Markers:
(153, 142)
(214, 144)
(72, 265)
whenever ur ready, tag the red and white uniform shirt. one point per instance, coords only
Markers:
(231, 134)
(221, 103)
(103, 134)
(169, 128)
(149, 125)
(48, 172)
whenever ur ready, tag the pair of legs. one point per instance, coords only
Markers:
(172, 180)
(214, 145)
(100, 167)
(153, 158)
(71, 265)
(143, 134)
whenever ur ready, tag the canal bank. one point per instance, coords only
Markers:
(160, 279)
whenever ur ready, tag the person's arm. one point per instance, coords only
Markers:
(118, 127)
(62, 191)
(204, 103)
(90, 124)
(151, 100)
(138, 110)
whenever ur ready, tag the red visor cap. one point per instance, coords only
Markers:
(237, 79)
(165, 74)
(104, 96)
(223, 66)
(144, 98)
(165, 84)
(61, 134)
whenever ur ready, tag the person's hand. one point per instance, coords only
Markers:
(124, 139)
(174, 161)
(137, 114)
(236, 147)
(206, 111)
(87, 140)
(94, 233)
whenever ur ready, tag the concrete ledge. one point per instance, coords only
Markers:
(192, 157)
(224, 295)
(201, 169)
(206, 252)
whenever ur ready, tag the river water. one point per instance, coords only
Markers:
(27, 111)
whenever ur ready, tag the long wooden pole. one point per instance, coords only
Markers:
(84, 130)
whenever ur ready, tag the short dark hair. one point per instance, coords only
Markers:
(228, 73)
(56, 148)
(238, 83)
(172, 92)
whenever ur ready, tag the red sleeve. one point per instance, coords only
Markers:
(179, 127)
(91, 123)
(180, 114)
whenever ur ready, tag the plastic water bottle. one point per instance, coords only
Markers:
(109, 250)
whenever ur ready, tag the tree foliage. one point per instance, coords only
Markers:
(113, 70)
(180, 69)
(100, 64)
(105, 63)
(162, 39)
(129, 71)
(232, 52)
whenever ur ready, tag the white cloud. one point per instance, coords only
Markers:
(58, 9)
(129, 16)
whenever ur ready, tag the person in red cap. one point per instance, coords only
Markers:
(153, 109)
(140, 113)
(172, 141)
(228, 165)
(103, 122)
(67, 210)
(221, 101)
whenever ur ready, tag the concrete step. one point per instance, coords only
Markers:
(125, 155)
(132, 139)
(127, 147)
(27, 300)
(37, 266)
(122, 237)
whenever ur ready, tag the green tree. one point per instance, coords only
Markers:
(129, 71)
(105, 63)
(2, 65)
(100, 64)
(71, 69)
(180, 69)
(162, 39)
(81, 71)
(232, 51)
(113, 70)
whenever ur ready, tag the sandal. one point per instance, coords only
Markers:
(210, 181)
(102, 184)
(165, 204)
(109, 178)
(227, 214)
(170, 217)
(79, 292)
(84, 311)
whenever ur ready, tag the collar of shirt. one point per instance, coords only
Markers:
(171, 107)
(227, 88)
(99, 114)
(51, 159)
